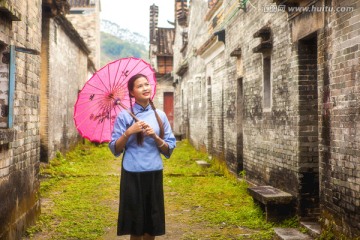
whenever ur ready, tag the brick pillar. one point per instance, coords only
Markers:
(154, 13)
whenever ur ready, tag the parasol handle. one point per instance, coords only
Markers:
(125, 108)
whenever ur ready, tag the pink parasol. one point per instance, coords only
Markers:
(105, 94)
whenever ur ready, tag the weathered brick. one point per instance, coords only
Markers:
(20, 155)
(313, 119)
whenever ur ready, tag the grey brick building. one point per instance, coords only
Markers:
(20, 43)
(65, 67)
(272, 88)
(161, 59)
(43, 64)
(84, 15)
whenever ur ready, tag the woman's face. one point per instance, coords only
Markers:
(142, 90)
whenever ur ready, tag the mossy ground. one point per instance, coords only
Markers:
(80, 191)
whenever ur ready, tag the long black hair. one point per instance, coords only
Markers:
(140, 135)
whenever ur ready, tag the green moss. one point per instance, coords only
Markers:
(77, 189)
(80, 196)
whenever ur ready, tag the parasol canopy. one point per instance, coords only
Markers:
(105, 94)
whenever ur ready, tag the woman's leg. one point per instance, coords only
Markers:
(132, 237)
(148, 237)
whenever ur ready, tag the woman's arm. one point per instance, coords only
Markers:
(121, 141)
(163, 144)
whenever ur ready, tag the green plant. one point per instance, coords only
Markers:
(77, 191)
(80, 197)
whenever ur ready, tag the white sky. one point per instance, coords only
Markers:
(134, 14)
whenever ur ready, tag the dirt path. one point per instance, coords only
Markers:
(179, 229)
(184, 211)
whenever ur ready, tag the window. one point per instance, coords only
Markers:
(267, 82)
(165, 65)
(7, 85)
(4, 85)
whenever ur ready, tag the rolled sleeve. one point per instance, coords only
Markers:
(169, 137)
(119, 129)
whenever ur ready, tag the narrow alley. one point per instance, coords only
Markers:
(79, 197)
(265, 92)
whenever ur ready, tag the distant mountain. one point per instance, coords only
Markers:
(122, 33)
(113, 48)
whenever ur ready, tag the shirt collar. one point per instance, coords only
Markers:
(138, 108)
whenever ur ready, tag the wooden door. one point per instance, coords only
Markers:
(169, 107)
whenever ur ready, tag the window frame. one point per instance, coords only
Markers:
(267, 103)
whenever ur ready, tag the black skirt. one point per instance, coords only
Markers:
(141, 207)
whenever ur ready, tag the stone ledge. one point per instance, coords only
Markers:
(270, 195)
(277, 204)
(314, 228)
(203, 163)
(7, 135)
(290, 234)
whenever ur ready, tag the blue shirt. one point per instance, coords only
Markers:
(145, 157)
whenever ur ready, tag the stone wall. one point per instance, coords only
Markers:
(270, 147)
(275, 93)
(191, 118)
(339, 120)
(87, 24)
(66, 72)
(20, 150)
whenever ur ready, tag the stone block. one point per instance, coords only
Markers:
(290, 234)
(6, 135)
(203, 163)
(276, 203)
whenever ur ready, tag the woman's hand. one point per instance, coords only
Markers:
(136, 127)
(162, 145)
(149, 131)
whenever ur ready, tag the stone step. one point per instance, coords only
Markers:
(203, 163)
(290, 234)
(314, 228)
(277, 204)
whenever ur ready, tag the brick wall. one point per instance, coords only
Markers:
(19, 153)
(339, 103)
(88, 26)
(66, 71)
(191, 94)
(314, 95)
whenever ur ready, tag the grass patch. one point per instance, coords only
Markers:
(216, 199)
(80, 194)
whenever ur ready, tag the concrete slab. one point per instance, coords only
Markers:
(203, 163)
(290, 234)
(314, 228)
(270, 195)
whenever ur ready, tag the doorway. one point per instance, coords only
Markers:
(239, 126)
(169, 107)
(308, 128)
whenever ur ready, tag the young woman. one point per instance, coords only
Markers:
(141, 211)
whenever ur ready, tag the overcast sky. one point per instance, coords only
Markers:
(134, 14)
